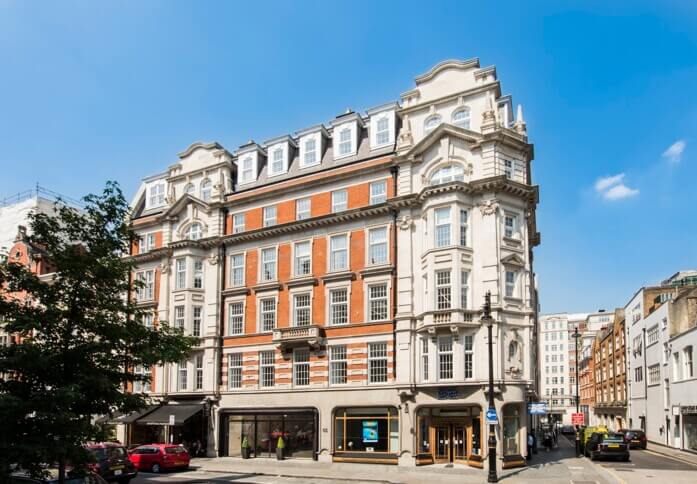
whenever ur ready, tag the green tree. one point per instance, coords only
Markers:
(81, 335)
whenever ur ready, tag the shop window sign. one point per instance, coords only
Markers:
(370, 431)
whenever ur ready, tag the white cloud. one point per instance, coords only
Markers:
(613, 187)
(604, 183)
(619, 192)
(674, 152)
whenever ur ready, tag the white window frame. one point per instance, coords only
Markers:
(235, 319)
(465, 121)
(267, 368)
(197, 273)
(155, 194)
(206, 190)
(274, 160)
(652, 335)
(238, 222)
(197, 321)
(269, 216)
(443, 227)
(237, 269)
(338, 365)
(183, 376)
(378, 192)
(464, 227)
(688, 370)
(301, 367)
(510, 231)
(511, 287)
(339, 205)
(180, 317)
(374, 247)
(303, 212)
(465, 289)
(447, 174)
(305, 152)
(272, 313)
(180, 281)
(344, 148)
(335, 254)
(248, 164)
(468, 346)
(235, 366)
(432, 122)
(146, 242)
(654, 374)
(382, 131)
(377, 361)
(194, 231)
(425, 358)
(198, 372)
(446, 358)
(302, 314)
(338, 307)
(273, 263)
(377, 300)
(147, 292)
(444, 290)
(302, 262)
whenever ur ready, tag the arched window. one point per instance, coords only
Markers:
(461, 118)
(432, 122)
(189, 188)
(447, 174)
(206, 190)
(194, 231)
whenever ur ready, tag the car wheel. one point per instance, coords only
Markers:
(592, 456)
(155, 468)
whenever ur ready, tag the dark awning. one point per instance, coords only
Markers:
(126, 418)
(161, 416)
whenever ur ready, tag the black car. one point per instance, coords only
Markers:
(610, 445)
(112, 462)
(636, 439)
(52, 478)
(568, 430)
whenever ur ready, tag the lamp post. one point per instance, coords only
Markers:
(578, 398)
(489, 321)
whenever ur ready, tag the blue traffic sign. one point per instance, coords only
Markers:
(537, 408)
(491, 416)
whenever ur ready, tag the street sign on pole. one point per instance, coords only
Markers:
(537, 408)
(577, 419)
(491, 417)
(171, 419)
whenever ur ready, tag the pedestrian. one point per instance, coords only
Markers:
(531, 442)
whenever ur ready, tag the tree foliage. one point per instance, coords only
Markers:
(80, 334)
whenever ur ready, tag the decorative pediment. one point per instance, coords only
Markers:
(181, 204)
(444, 129)
(513, 260)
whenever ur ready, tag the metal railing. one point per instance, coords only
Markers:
(36, 192)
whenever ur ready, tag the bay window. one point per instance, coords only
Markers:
(443, 290)
(445, 357)
(511, 277)
(442, 220)
(180, 274)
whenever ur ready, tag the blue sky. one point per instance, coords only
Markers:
(91, 91)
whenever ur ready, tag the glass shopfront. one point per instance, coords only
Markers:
(689, 432)
(366, 430)
(262, 430)
(449, 434)
(511, 427)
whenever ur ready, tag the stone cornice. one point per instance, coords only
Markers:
(450, 97)
(199, 144)
(492, 184)
(447, 64)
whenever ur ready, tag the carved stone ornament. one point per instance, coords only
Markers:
(214, 259)
(164, 267)
(488, 207)
(405, 222)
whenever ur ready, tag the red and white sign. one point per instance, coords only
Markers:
(577, 419)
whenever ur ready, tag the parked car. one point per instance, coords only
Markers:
(636, 439)
(568, 430)
(112, 462)
(52, 478)
(159, 457)
(607, 445)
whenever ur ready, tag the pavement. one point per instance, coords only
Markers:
(556, 466)
(656, 463)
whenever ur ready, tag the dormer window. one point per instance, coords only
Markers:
(345, 144)
(206, 190)
(447, 174)
(461, 118)
(247, 170)
(194, 231)
(277, 161)
(310, 155)
(155, 195)
(382, 135)
(432, 122)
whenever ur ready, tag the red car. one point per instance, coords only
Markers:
(159, 457)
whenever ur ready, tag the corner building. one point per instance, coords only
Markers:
(340, 274)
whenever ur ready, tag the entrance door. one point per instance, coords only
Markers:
(442, 447)
(452, 441)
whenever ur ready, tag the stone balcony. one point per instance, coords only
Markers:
(298, 336)
(452, 319)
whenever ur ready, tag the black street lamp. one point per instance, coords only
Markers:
(578, 398)
(489, 321)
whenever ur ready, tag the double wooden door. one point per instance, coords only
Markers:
(451, 440)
